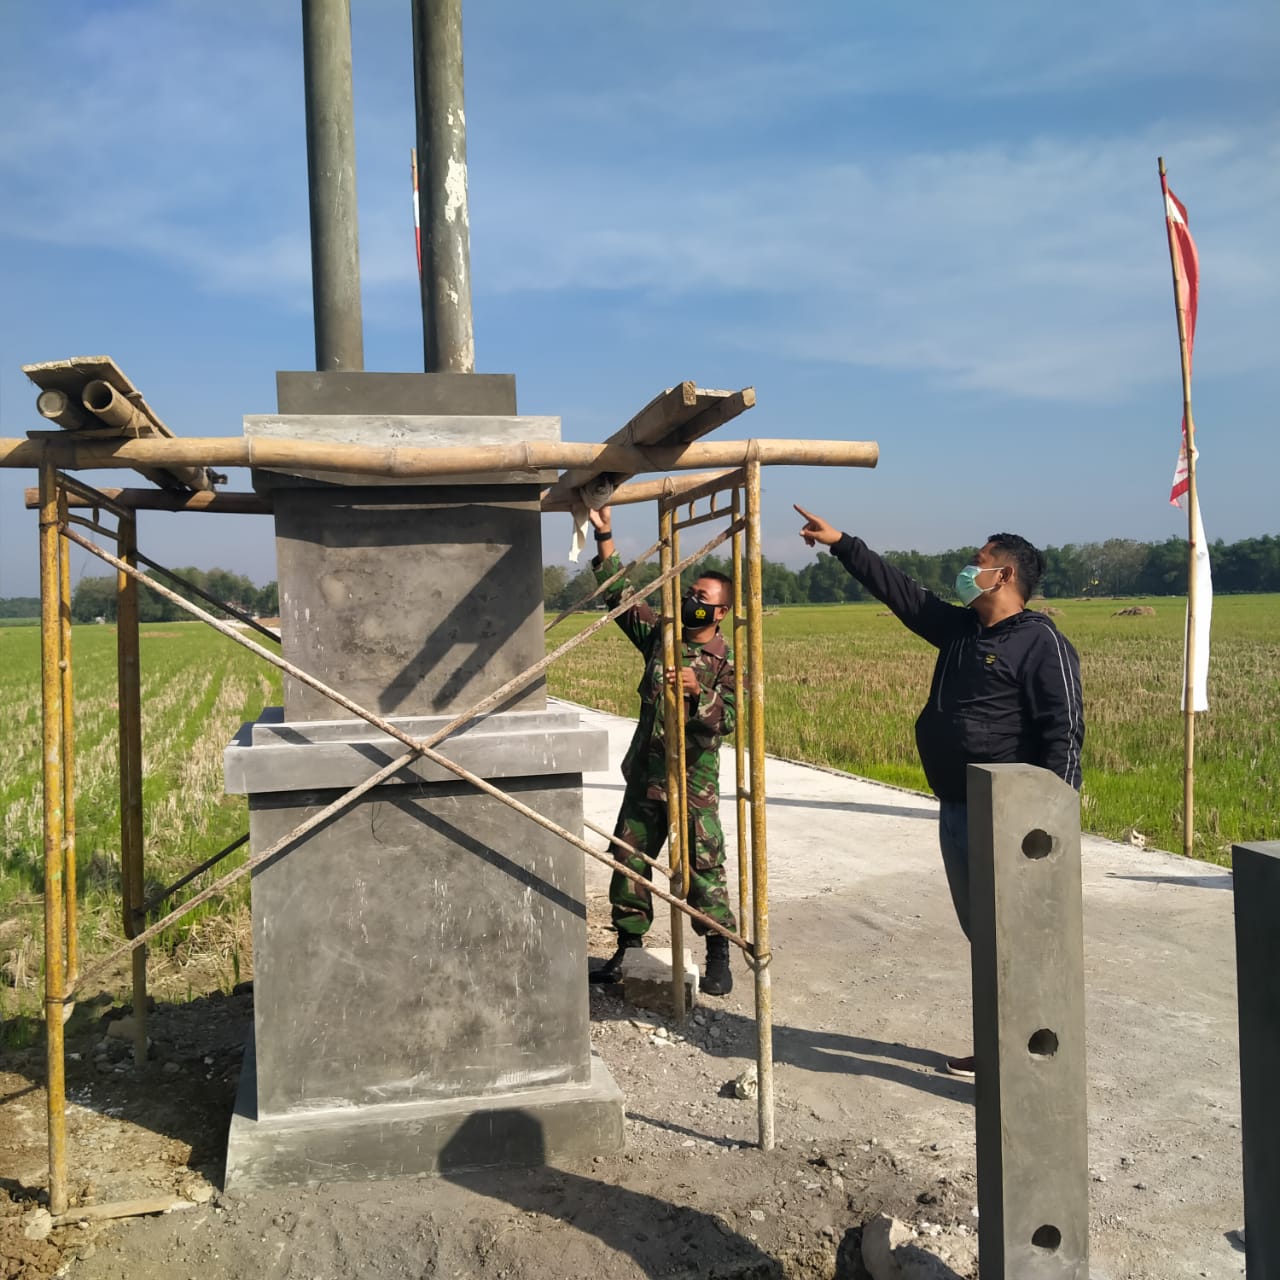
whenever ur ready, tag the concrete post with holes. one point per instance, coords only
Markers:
(1028, 1024)
(1256, 871)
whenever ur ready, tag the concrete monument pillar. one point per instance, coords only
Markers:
(1256, 884)
(420, 960)
(1028, 1024)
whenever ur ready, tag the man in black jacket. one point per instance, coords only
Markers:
(1006, 686)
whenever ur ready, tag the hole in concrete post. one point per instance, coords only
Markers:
(1047, 1237)
(1044, 1044)
(1037, 844)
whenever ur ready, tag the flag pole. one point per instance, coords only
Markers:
(1188, 688)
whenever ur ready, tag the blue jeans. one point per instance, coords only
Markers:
(953, 837)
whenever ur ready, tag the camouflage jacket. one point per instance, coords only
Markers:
(708, 717)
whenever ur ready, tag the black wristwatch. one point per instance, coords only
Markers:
(602, 534)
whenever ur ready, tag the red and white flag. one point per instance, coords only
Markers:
(1186, 282)
(417, 224)
(1186, 277)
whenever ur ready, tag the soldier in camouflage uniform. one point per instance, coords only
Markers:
(706, 678)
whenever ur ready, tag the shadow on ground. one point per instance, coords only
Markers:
(661, 1238)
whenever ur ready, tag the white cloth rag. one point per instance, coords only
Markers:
(590, 497)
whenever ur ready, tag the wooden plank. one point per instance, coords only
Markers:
(716, 411)
(678, 415)
(660, 416)
(71, 377)
(121, 1209)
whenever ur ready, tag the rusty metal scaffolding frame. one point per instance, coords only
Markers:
(57, 492)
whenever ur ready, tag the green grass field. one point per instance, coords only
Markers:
(197, 688)
(843, 685)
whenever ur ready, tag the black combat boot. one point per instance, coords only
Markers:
(718, 979)
(611, 970)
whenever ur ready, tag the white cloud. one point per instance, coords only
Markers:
(1037, 270)
(1025, 268)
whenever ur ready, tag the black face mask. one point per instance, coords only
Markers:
(695, 614)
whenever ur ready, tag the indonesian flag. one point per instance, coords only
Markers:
(417, 225)
(1186, 277)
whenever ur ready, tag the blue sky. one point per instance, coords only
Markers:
(935, 226)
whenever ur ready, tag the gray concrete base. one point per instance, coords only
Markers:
(357, 1144)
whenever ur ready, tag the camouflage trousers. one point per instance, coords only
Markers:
(642, 823)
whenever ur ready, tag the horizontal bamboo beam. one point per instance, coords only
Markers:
(403, 461)
(640, 490)
(242, 504)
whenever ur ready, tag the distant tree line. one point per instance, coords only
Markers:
(1117, 567)
(95, 598)
(20, 607)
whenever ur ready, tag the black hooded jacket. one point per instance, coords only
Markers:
(1008, 694)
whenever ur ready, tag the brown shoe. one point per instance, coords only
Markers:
(965, 1068)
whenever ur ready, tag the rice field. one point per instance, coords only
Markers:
(844, 683)
(197, 689)
(843, 686)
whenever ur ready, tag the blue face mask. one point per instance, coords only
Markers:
(967, 582)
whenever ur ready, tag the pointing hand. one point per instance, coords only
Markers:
(816, 529)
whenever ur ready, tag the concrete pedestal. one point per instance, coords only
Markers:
(419, 958)
(420, 995)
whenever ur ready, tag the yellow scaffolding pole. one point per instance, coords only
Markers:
(55, 904)
(58, 739)
(759, 847)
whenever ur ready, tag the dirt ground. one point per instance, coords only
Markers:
(690, 1196)
(870, 989)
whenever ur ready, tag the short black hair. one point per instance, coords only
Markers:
(716, 576)
(1028, 559)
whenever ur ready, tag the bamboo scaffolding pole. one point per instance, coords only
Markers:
(714, 483)
(132, 830)
(759, 855)
(238, 614)
(245, 504)
(163, 895)
(348, 798)
(692, 522)
(417, 748)
(57, 406)
(672, 718)
(657, 419)
(635, 491)
(403, 460)
(632, 851)
(90, 524)
(601, 588)
(740, 732)
(682, 753)
(55, 975)
(106, 403)
(499, 695)
(1193, 508)
(68, 753)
